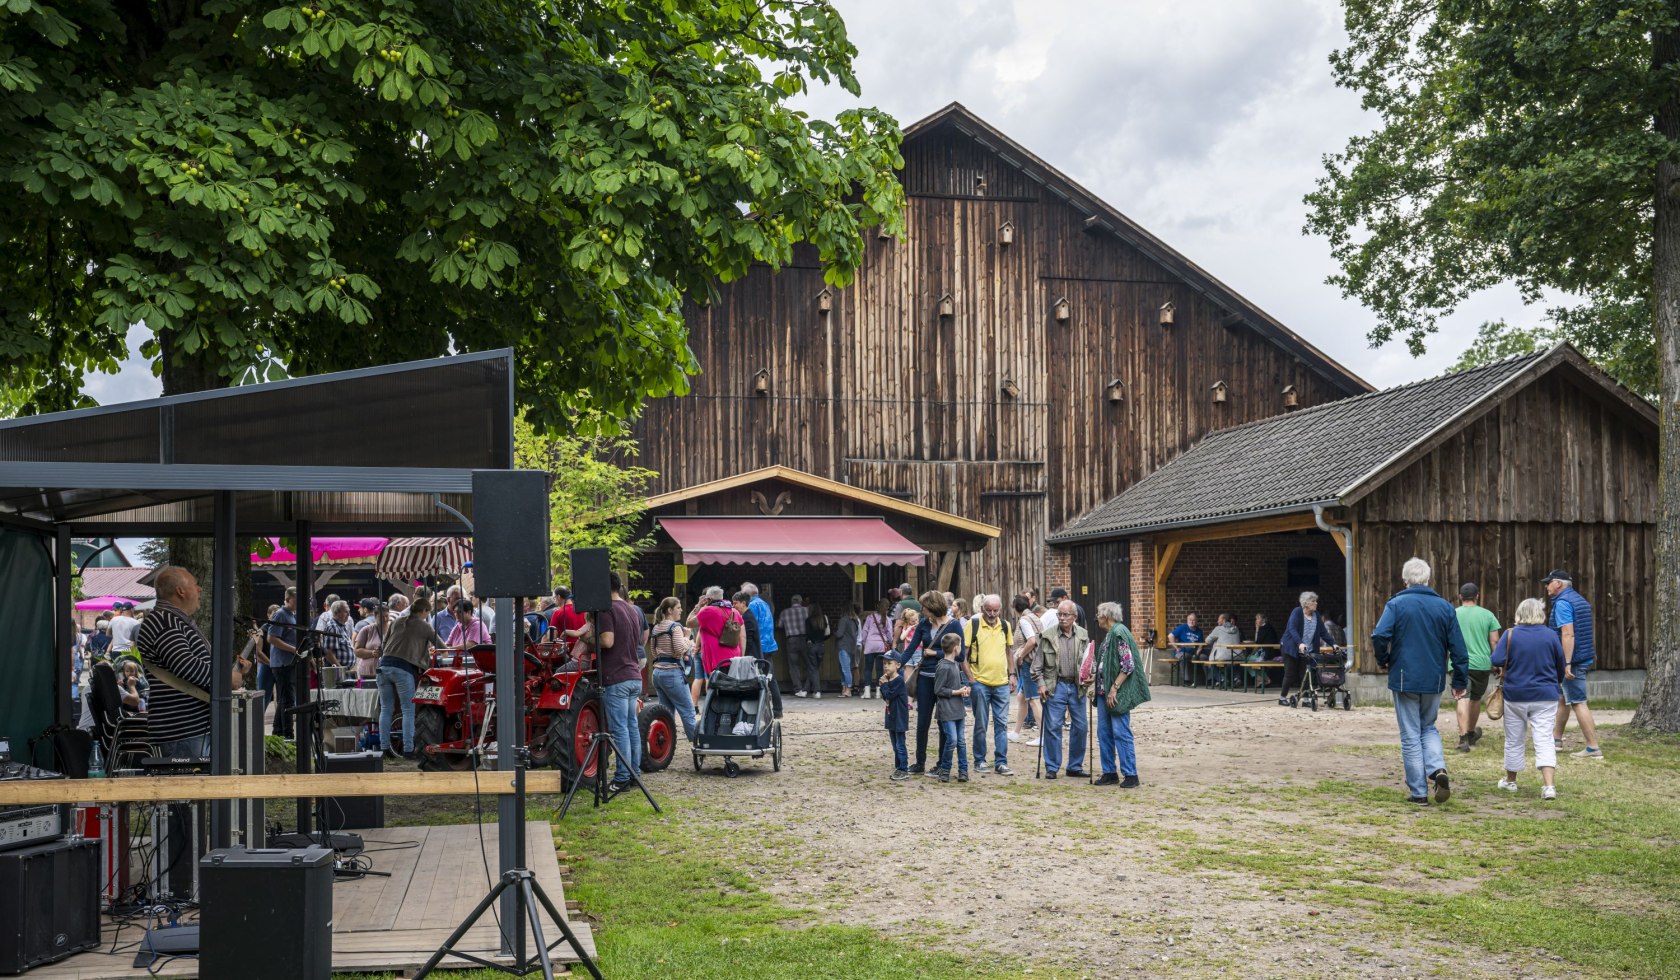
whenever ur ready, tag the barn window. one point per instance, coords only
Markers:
(1303, 573)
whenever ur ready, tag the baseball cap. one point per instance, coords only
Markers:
(1468, 591)
(369, 602)
(1058, 593)
(1557, 574)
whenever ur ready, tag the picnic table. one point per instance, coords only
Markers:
(1224, 667)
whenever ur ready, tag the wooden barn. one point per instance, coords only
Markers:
(1494, 475)
(1025, 353)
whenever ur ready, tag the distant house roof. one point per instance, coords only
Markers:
(117, 581)
(1105, 217)
(1329, 455)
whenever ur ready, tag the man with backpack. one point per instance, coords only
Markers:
(990, 667)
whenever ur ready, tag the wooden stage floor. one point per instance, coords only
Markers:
(383, 924)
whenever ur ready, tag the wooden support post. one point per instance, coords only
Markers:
(1166, 555)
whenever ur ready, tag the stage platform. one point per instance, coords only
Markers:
(383, 925)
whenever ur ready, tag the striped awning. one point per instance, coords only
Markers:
(411, 558)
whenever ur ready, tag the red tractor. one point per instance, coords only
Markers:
(453, 716)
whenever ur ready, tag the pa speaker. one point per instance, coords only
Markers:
(49, 902)
(591, 591)
(510, 533)
(282, 898)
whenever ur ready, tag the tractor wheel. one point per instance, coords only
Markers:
(431, 727)
(659, 736)
(541, 722)
(570, 734)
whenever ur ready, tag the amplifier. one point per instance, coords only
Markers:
(163, 765)
(177, 838)
(354, 812)
(283, 896)
(49, 903)
(21, 826)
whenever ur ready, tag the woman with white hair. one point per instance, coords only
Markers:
(1530, 658)
(1302, 639)
(1120, 688)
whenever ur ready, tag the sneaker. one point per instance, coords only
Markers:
(1548, 792)
(1078, 774)
(1014, 736)
(1050, 775)
(1508, 785)
(1475, 736)
(1003, 770)
(945, 777)
(962, 777)
(900, 775)
(1419, 800)
(1589, 753)
(1108, 779)
(868, 693)
(915, 770)
(939, 774)
(982, 766)
(1464, 743)
(800, 694)
(1443, 791)
(816, 695)
(1034, 741)
(1130, 782)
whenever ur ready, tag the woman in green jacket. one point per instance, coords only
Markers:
(1120, 687)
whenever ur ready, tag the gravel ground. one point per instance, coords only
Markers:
(1075, 880)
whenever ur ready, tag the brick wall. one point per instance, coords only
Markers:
(1249, 575)
(1141, 616)
(1058, 571)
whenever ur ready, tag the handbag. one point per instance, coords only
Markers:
(730, 633)
(1495, 706)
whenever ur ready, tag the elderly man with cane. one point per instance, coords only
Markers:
(1055, 666)
(1414, 640)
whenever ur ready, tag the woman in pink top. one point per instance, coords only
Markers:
(469, 631)
(710, 620)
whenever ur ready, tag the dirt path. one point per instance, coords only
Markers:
(1075, 879)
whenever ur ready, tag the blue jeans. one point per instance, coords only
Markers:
(1575, 689)
(619, 701)
(396, 686)
(1420, 740)
(991, 702)
(672, 691)
(901, 752)
(954, 742)
(265, 683)
(1114, 741)
(845, 667)
(1065, 704)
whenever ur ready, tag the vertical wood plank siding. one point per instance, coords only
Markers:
(886, 394)
(1553, 478)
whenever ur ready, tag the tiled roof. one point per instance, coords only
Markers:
(117, 581)
(1290, 462)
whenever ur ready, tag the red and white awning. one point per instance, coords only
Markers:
(411, 558)
(790, 541)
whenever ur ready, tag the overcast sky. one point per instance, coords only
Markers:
(1203, 120)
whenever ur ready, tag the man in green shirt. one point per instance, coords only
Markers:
(1481, 632)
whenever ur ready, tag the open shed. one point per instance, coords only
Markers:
(1493, 475)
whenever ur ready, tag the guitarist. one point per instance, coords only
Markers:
(177, 660)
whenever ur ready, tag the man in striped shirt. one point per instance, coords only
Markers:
(177, 659)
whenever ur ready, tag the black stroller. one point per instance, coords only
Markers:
(738, 699)
(1325, 679)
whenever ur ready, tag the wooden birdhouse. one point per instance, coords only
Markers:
(761, 382)
(1063, 310)
(1167, 311)
(1291, 397)
(1011, 390)
(1006, 233)
(1116, 391)
(825, 301)
(1219, 393)
(947, 306)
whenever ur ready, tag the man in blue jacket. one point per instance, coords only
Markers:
(1416, 636)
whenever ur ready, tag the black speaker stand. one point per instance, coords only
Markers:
(529, 895)
(603, 793)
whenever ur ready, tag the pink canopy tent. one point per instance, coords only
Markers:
(103, 602)
(327, 551)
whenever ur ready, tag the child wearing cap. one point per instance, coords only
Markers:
(952, 708)
(896, 700)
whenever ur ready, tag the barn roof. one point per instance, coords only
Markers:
(1105, 217)
(1329, 455)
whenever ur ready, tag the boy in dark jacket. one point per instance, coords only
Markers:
(896, 699)
(952, 709)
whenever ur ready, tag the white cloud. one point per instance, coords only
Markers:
(133, 382)
(1203, 120)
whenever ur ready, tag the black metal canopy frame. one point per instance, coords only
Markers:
(371, 451)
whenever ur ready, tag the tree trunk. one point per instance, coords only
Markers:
(184, 373)
(1659, 708)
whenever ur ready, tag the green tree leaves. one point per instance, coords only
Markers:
(335, 183)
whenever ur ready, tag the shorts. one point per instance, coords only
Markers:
(1478, 684)
(1575, 691)
(1029, 687)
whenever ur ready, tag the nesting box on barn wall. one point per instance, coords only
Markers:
(1011, 390)
(1291, 398)
(1218, 389)
(825, 301)
(1063, 310)
(761, 382)
(1167, 312)
(947, 306)
(1116, 391)
(1006, 233)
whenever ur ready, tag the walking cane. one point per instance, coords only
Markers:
(1038, 764)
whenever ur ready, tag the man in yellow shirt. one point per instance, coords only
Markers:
(991, 674)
